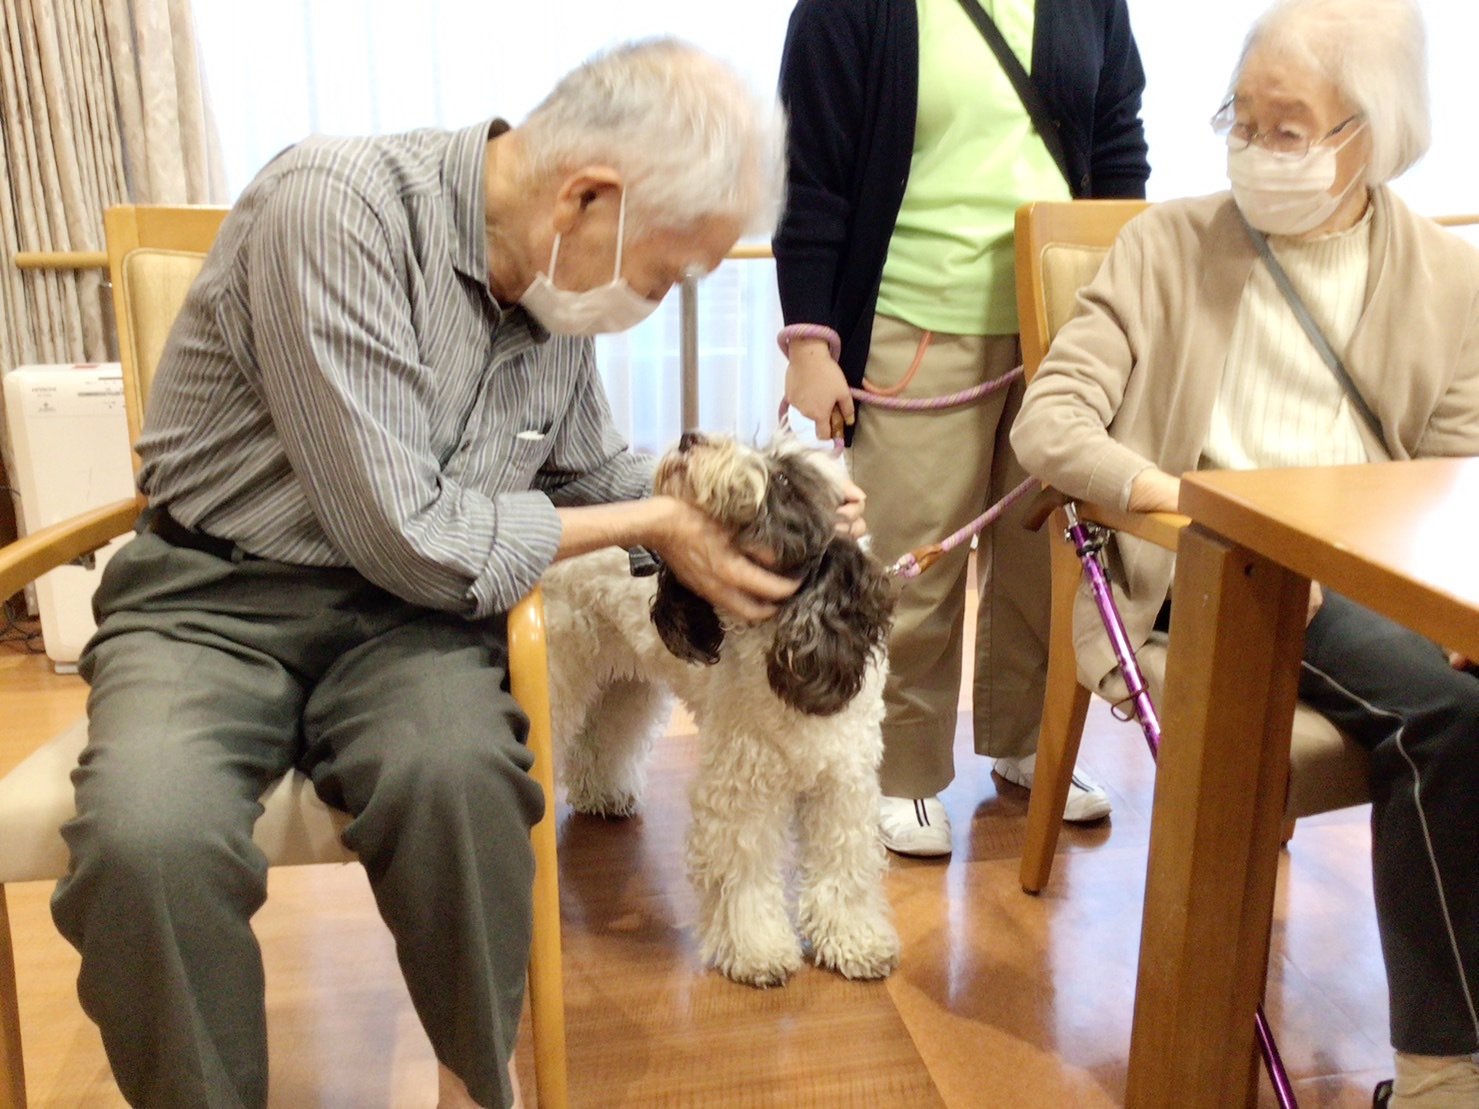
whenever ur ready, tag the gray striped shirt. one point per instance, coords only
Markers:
(342, 389)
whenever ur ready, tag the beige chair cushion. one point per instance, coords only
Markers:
(167, 276)
(36, 800)
(1065, 270)
(1327, 769)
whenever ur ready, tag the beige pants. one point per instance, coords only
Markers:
(927, 474)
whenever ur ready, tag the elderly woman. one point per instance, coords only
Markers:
(1184, 354)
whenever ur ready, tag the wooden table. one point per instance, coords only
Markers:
(1397, 537)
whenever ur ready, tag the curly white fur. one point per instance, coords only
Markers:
(767, 773)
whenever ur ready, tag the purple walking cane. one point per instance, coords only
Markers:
(1088, 542)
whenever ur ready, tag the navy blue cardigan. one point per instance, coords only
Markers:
(850, 84)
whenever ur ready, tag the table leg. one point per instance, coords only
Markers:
(1237, 633)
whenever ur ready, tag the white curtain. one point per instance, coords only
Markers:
(170, 143)
(282, 69)
(100, 101)
(63, 164)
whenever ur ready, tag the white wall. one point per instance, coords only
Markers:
(277, 70)
(1190, 47)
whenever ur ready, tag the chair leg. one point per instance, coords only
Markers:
(529, 680)
(12, 1068)
(1288, 832)
(1065, 705)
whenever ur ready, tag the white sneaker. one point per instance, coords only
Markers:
(914, 825)
(1087, 800)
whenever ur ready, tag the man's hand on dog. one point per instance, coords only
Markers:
(704, 557)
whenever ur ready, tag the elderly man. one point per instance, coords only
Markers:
(376, 422)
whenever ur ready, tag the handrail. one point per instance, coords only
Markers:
(742, 252)
(687, 297)
(748, 252)
(61, 260)
(96, 259)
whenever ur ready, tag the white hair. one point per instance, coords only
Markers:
(1375, 54)
(691, 140)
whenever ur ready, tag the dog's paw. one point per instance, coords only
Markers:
(761, 969)
(859, 949)
(611, 806)
(755, 948)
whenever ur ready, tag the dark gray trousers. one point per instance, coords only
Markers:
(211, 678)
(1394, 692)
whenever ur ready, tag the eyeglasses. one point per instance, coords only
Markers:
(1283, 141)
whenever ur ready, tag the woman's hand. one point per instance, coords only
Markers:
(850, 520)
(816, 386)
(1154, 491)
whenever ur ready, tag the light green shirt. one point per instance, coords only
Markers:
(976, 160)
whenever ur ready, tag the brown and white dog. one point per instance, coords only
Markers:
(788, 712)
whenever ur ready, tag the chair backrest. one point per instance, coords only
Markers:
(1060, 245)
(154, 254)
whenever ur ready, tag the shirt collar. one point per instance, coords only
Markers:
(462, 186)
(463, 167)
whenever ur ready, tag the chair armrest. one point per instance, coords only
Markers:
(528, 671)
(1161, 528)
(25, 560)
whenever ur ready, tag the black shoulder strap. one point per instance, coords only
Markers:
(1312, 329)
(1037, 107)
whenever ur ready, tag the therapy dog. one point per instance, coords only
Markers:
(788, 712)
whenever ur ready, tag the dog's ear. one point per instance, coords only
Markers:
(688, 625)
(827, 633)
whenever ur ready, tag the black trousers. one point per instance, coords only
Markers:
(1394, 692)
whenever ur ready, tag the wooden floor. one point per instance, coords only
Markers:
(1002, 999)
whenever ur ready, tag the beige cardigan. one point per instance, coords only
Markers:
(1130, 381)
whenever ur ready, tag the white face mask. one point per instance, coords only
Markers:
(1283, 196)
(614, 306)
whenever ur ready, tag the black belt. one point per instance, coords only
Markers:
(159, 522)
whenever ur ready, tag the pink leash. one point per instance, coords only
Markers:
(949, 400)
(917, 561)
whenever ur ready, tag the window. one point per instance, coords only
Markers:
(279, 70)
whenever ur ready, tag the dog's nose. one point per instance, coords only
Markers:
(690, 439)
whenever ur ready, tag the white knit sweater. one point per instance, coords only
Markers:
(1279, 404)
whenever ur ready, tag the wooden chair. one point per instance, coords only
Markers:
(1059, 248)
(154, 253)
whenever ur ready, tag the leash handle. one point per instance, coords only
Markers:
(783, 421)
(927, 556)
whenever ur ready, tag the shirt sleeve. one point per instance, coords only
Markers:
(337, 355)
(1119, 166)
(821, 87)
